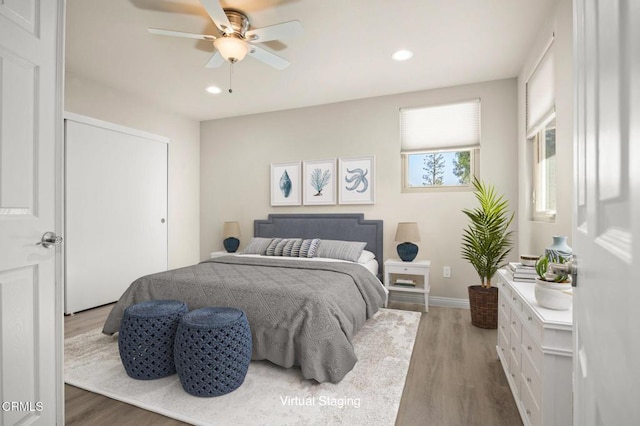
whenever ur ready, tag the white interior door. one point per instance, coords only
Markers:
(116, 210)
(31, 389)
(607, 215)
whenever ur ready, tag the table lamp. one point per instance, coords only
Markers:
(230, 233)
(408, 233)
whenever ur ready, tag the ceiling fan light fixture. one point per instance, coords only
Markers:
(231, 48)
(402, 55)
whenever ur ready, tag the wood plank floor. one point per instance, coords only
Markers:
(454, 378)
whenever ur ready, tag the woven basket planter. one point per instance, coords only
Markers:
(484, 306)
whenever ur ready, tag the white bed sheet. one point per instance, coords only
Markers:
(371, 266)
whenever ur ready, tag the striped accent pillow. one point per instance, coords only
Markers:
(309, 247)
(295, 248)
(343, 250)
(280, 247)
(257, 245)
(271, 250)
(288, 248)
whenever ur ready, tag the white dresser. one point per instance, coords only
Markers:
(535, 349)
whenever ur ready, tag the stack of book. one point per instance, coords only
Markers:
(404, 282)
(520, 272)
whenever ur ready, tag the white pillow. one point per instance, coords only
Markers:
(366, 256)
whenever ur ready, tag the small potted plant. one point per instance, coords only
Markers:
(486, 243)
(552, 290)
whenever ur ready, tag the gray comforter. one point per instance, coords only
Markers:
(300, 313)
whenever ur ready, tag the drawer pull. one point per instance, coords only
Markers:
(528, 379)
(529, 318)
(513, 322)
(514, 299)
(513, 375)
(528, 412)
(513, 348)
(529, 348)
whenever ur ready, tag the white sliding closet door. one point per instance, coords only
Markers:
(116, 210)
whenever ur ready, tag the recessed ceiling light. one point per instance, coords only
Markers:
(402, 55)
(214, 89)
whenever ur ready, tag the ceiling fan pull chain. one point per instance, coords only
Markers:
(230, 75)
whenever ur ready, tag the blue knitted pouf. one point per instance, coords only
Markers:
(146, 337)
(212, 350)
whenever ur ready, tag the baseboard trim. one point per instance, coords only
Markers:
(449, 302)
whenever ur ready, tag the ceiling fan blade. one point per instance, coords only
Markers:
(268, 58)
(158, 31)
(275, 32)
(215, 61)
(216, 12)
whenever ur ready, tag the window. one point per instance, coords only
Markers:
(541, 135)
(544, 171)
(440, 146)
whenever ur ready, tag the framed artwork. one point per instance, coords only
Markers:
(286, 184)
(356, 184)
(319, 186)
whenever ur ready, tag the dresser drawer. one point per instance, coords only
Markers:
(516, 303)
(503, 343)
(504, 287)
(531, 321)
(531, 379)
(531, 350)
(504, 308)
(514, 370)
(531, 410)
(503, 321)
(515, 325)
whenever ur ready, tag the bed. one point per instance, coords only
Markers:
(303, 312)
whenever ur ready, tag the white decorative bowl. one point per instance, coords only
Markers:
(529, 259)
(551, 295)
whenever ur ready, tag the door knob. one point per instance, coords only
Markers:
(570, 267)
(50, 239)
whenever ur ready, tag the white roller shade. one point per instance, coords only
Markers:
(440, 127)
(541, 92)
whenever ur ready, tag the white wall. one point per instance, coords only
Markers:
(236, 154)
(94, 100)
(535, 236)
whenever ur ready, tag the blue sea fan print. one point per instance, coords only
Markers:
(319, 180)
(285, 184)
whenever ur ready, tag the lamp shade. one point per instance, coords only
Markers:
(231, 48)
(408, 232)
(231, 229)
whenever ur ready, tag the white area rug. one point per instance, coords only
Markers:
(270, 395)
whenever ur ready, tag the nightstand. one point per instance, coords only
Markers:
(408, 277)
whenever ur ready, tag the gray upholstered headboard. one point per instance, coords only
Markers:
(346, 227)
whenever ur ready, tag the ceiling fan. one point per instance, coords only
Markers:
(236, 40)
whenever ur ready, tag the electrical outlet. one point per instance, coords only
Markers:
(446, 271)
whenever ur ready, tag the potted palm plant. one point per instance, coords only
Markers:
(486, 243)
